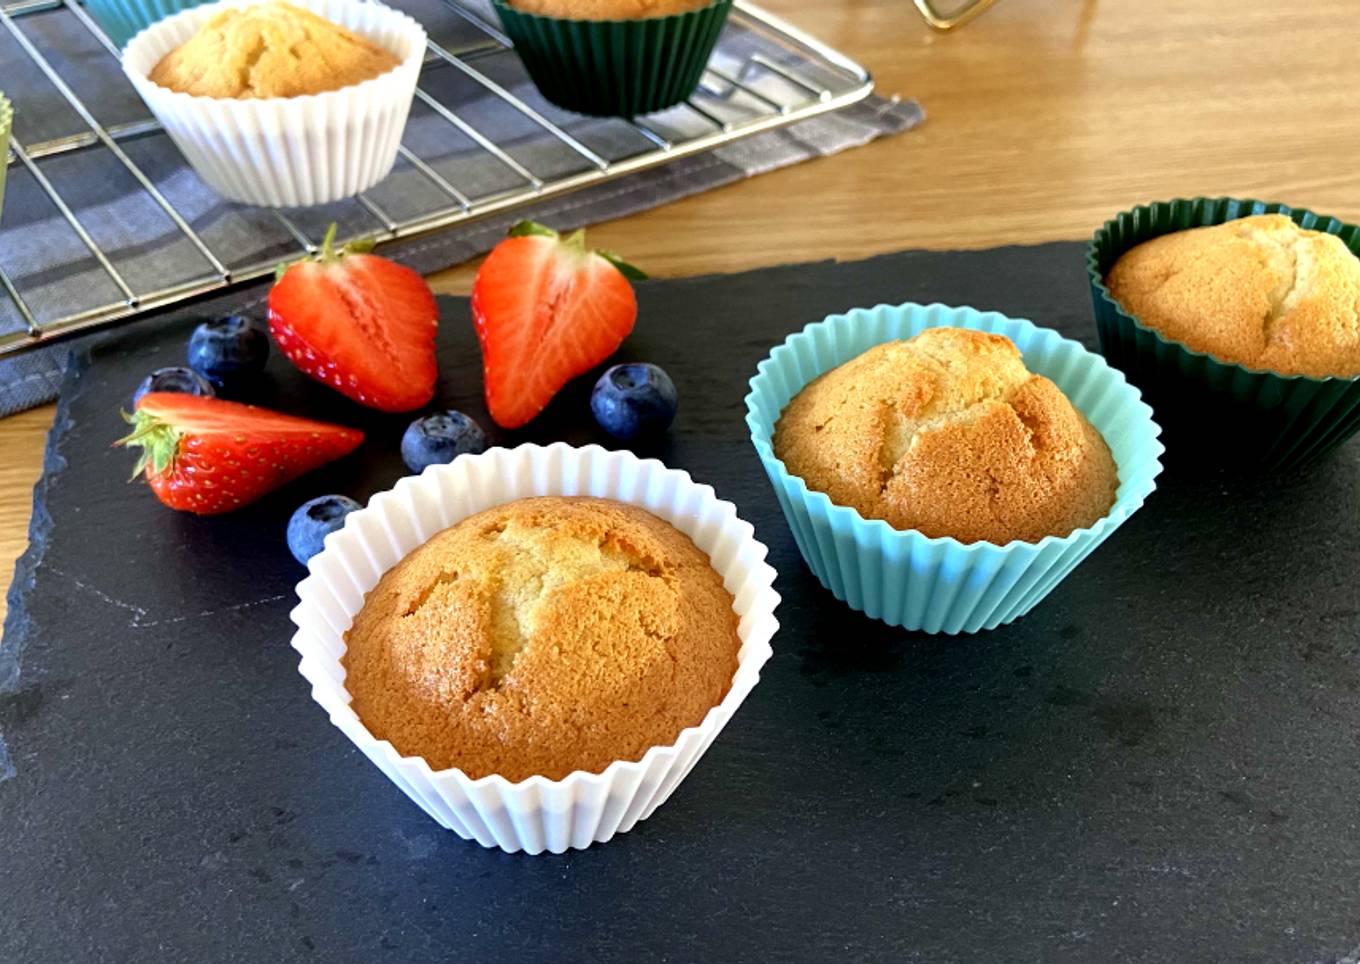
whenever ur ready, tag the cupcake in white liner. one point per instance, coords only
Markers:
(536, 814)
(288, 151)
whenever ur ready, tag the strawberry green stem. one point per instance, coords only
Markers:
(328, 254)
(576, 241)
(158, 440)
(525, 229)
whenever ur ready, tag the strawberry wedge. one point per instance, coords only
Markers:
(359, 323)
(547, 309)
(208, 456)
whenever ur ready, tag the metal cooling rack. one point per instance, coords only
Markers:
(782, 76)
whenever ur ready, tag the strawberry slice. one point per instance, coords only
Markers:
(208, 456)
(546, 310)
(359, 323)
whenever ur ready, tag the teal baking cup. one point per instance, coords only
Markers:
(615, 68)
(941, 585)
(6, 122)
(124, 19)
(1218, 412)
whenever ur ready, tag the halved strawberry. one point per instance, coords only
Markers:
(546, 309)
(359, 323)
(206, 455)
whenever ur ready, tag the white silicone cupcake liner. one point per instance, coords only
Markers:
(536, 814)
(288, 151)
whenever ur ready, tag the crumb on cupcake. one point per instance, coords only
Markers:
(270, 50)
(949, 434)
(542, 637)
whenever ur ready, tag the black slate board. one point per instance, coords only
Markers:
(1161, 763)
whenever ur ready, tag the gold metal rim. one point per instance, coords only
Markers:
(958, 18)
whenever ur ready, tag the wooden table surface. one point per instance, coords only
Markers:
(1044, 118)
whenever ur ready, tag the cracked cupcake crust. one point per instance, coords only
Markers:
(1259, 291)
(949, 434)
(270, 50)
(542, 637)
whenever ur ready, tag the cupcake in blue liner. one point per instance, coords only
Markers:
(939, 584)
(124, 19)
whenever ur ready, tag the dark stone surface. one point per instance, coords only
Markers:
(1161, 763)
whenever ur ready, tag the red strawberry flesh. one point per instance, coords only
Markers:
(359, 323)
(546, 311)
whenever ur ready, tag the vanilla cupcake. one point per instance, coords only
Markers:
(271, 50)
(544, 636)
(947, 480)
(1260, 291)
(614, 58)
(1238, 318)
(278, 104)
(949, 434)
(537, 644)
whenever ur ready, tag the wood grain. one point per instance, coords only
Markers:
(1044, 118)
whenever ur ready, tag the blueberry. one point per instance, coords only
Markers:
(227, 348)
(183, 380)
(313, 521)
(634, 400)
(439, 438)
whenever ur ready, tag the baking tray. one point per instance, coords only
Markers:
(104, 221)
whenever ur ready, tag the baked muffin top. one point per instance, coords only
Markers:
(270, 50)
(607, 9)
(949, 434)
(1260, 291)
(542, 637)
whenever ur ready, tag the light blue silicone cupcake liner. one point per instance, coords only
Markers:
(124, 19)
(941, 585)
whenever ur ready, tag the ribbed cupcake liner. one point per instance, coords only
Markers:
(1218, 411)
(6, 122)
(293, 151)
(615, 68)
(536, 814)
(124, 19)
(941, 585)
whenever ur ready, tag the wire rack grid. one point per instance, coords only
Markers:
(766, 74)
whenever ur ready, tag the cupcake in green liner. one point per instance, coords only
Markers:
(6, 122)
(1242, 336)
(614, 58)
(963, 495)
(124, 19)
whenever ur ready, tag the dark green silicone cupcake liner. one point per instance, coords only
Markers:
(615, 68)
(1215, 410)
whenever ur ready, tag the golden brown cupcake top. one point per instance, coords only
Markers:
(270, 50)
(607, 9)
(542, 637)
(949, 434)
(1259, 291)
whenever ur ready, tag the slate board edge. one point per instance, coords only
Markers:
(26, 566)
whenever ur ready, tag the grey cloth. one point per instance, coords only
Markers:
(57, 276)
